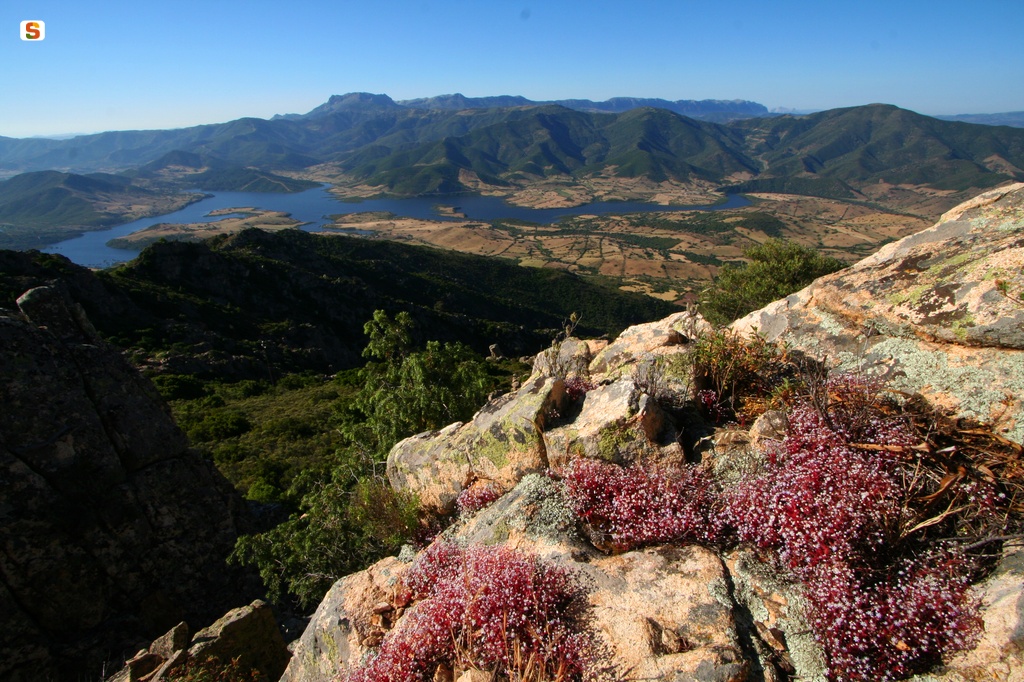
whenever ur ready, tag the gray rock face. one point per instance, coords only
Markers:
(248, 633)
(111, 530)
(927, 311)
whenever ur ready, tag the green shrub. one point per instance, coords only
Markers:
(739, 378)
(405, 392)
(347, 516)
(340, 528)
(219, 425)
(179, 386)
(776, 269)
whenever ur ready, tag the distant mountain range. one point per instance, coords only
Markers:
(451, 143)
(1010, 118)
(706, 110)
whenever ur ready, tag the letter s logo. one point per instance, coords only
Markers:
(33, 30)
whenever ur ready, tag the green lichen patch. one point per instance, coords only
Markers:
(612, 439)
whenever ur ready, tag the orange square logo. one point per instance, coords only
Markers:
(33, 30)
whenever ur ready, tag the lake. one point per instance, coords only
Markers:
(313, 206)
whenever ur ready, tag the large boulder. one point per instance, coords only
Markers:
(615, 422)
(248, 634)
(502, 443)
(645, 341)
(928, 311)
(347, 624)
(111, 529)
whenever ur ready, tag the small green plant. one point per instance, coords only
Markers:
(1003, 287)
(775, 270)
(739, 377)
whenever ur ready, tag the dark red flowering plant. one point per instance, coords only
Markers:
(641, 505)
(489, 608)
(830, 513)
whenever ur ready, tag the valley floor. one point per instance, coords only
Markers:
(668, 255)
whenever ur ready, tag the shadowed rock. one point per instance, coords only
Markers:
(111, 530)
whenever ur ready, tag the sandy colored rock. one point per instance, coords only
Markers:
(176, 639)
(475, 676)
(502, 443)
(614, 422)
(667, 613)
(926, 312)
(643, 340)
(335, 638)
(568, 358)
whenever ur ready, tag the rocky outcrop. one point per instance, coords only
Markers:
(616, 422)
(502, 443)
(349, 620)
(541, 425)
(665, 612)
(247, 636)
(641, 341)
(111, 529)
(927, 311)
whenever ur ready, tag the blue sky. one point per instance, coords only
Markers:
(118, 65)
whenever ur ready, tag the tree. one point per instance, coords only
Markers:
(407, 392)
(351, 517)
(775, 270)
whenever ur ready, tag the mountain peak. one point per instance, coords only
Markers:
(352, 101)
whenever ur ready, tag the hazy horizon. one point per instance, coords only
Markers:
(128, 66)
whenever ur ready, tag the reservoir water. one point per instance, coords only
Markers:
(313, 206)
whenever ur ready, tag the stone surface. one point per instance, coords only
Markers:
(176, 639)
(667, 613)
(773, 608)
(615, 422)
(111, 530)
(339, 634)
(248, 633)
(926, 312)
(569, 358)
(475, 676)
(503, 442)
(644, 340)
